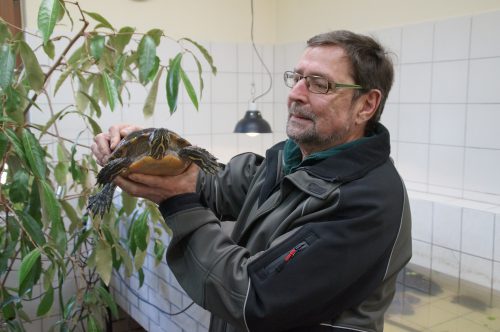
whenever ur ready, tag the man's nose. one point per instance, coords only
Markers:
(299, 91)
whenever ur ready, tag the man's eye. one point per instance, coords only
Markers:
(319, 83)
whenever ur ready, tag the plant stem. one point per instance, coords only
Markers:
(80, 34)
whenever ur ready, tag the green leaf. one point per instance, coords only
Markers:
(205, 54)
(77, 55)
(33, 228)
(34, 154)
(110, 89)
(129, 203)
(16, 143)
(141, 231)
(4, 143)
(48, 14)
(27, 270)
(19, 187)
(189, 88)
(97, 46)
(93, 103)
(108, 299)
(73, 167)
(46, 302)
(104, 261)
(159, 251)
(92, 324)
(4, 31)
(103, 22)
(127, 261)
(121, 39)
(200, 75)
(156, 34)
(147, 55)
(13, 103)
(7, 305)
(68, 307)
(7, 63)
(35, 207)
(141, 277)
(61, 79)
(34, 73)
(49, 49)
(51, 210)
(149, 105)
(140, 256)
(60, 173)
(173, 80)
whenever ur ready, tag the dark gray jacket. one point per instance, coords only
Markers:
(315, 250)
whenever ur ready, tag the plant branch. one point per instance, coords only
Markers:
(80, 34)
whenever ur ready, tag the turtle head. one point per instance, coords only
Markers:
(159, 142)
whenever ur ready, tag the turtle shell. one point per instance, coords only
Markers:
(137, 147)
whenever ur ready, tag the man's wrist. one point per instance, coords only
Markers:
(179, 203)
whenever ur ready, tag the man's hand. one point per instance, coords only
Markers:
(105, 143)
(159, 188)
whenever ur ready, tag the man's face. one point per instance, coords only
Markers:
(319, 121)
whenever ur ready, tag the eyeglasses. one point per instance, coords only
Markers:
(315, 84)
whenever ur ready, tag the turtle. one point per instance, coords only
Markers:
(153, 151)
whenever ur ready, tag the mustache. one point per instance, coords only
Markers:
(299, 110)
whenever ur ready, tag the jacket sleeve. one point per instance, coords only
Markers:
(310, 274)
(225, 192)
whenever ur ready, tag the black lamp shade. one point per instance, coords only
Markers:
(252, 122)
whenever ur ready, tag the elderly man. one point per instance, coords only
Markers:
(311, 237)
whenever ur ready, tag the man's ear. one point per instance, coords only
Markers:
(367, 104)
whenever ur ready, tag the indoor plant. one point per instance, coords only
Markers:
(46, 236)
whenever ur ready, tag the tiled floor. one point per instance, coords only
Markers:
(444, 306)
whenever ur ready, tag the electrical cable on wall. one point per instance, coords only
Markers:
(152, 304)
(259, 57)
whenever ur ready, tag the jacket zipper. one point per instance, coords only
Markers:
(278, 264)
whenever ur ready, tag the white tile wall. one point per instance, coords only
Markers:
(417, 43)
(446, 261)
(484, 80)
(414, 123)
(416, 83)
(477, 233)
(421, 220)
(449, 82)
(481, 171)
(446, 166)
(447, 226)
(476, 270)
(451, 39)
(484, 42)
(482, 126)
(448, 124)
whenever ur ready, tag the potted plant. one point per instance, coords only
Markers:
(46, 236)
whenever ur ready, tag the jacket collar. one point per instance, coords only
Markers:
(350, 163)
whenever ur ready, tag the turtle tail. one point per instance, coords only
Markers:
(201, 157)
(100, 203)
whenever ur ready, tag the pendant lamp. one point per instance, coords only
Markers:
(253, 123)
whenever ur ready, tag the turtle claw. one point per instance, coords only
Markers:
(100, 203)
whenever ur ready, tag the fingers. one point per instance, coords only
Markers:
(100, 148)
(119, 131)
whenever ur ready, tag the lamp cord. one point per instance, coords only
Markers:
(260, 58)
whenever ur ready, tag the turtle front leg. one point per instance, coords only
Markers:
(100, 203)
(201, 157)
(112, 169)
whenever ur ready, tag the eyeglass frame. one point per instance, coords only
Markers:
(331, 85)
